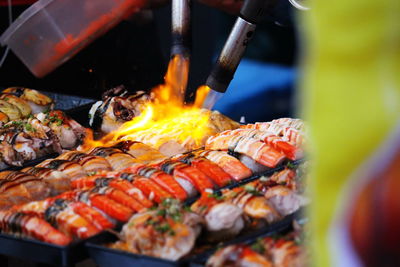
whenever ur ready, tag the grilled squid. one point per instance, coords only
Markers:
(37, 101)
(116, 108)
(69, 132)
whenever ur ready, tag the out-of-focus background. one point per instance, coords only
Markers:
(136, 53)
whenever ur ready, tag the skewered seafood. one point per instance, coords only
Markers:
(212, 170)
(142, 152)
(68, 168)
(117, 159)
(36, 100)
(59, 181)
(118, 183)
(102, 202)
(290, 129)
(182, 171)
(164, 180)
(89, 163)
(228, 163)
(61, 215)
(92, 215)
(17, 188)
(173, 232)
(256, 149)
(279, 143)
(121, 197)
(31, 226)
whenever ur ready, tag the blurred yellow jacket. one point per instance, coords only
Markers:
(351, 97)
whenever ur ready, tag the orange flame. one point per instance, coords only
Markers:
(166, 118)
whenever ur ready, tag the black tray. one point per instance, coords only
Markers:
(109, 257)
(251, 236)
(41, 252)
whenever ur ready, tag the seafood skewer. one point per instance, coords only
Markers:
(212, 170)
(117, 159)
(142, 152)
(67, 221)
(277, 142)
(256, 149)
(102, 202)
(92, 215)
(293, 134)
(183, 172)
(58, 180)
(31, 226)
(89, 163)
(17, 188)
(228, 163)
(120, 196)
(70, 169)
(118, 183)
(164, 180)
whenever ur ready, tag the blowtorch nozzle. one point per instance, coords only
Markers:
(211, 99)
(235, 46)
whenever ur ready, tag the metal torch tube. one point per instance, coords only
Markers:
(181, 27)
(229, 59)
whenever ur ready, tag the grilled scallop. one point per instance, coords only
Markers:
(10, 110)
(20, 103)
(36, 100)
